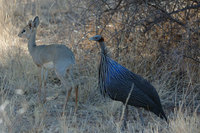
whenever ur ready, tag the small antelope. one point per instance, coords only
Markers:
(56, 56)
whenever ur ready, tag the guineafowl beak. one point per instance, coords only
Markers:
(97, 38)
(91, 38)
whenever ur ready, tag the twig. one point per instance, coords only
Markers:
(196, 60)
(114, 9)
(123, 110)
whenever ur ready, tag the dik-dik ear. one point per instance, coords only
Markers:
(36, 21)
(30, 24)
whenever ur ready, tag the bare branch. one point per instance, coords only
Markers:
(116, 7)
(196, 60)
(186, 8)
(167, 15)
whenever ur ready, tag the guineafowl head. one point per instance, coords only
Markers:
(97, 38)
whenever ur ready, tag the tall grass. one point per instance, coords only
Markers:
(19, 107)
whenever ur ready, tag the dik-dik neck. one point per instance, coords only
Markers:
(31, 42)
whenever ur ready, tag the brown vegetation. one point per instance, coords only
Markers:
(159, 40)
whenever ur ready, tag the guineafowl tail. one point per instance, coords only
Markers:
(160, 113)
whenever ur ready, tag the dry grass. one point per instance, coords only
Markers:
(20, 110)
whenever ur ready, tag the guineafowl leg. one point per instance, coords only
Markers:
(141, 118)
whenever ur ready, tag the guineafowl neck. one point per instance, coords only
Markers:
(31, 42)
(103, 68)
(103, 48)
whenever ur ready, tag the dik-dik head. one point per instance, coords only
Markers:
(30, 28)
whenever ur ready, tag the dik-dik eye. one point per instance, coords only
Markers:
(23, 31)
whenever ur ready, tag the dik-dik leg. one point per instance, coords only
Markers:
(42, 83)
(67, 98)
(76, 100)
(74, 85)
